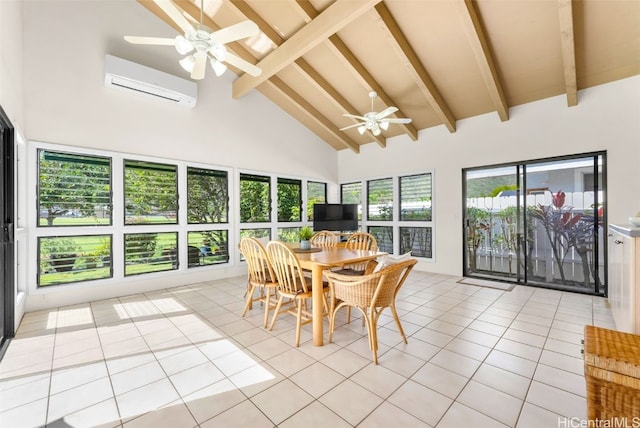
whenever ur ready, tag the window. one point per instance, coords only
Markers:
(316, 194)
(150, 252)
(384, 237)
(407, 228)
(351, 193)
(588, 182)
(255, 199)
(415, 198)
(380, 199)
(288, 234)
(207, 196)
(289, 200)
(415, 207)
(207, 247)
(73, 189)
(418, 240)
(150, 193)
(73, 258)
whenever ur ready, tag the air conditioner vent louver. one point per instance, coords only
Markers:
(136, 78)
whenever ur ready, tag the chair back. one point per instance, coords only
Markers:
(362, 241)
(258, 263)
(377, 290)
(324, 239)
(286, 266)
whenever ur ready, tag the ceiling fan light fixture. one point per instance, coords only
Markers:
(362, 129)
(183, 46)
(218, 67)
(219, 51)
(384, 125)
(376, 131)
(188, 63)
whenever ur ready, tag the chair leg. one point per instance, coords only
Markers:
(332, 321)
(397, 320)
(298, 322)
(267, 305)
(372, 322)
(276, 312)
(249, 302)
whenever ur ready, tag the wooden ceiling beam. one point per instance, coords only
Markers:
(302, 66)
(480, 46)
(331, 20)
(314, 114)
(360, 71)
(333, 95)
(565, 13)
(409, 57)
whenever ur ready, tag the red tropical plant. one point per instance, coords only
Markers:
(565, 230)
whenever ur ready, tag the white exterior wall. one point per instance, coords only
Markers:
(607, 117)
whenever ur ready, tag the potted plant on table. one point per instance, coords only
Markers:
(305, 235)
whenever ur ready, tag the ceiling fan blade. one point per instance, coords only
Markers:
(386, 112)
(198, 69)
(238, 31)
(397, 120)
(354, 116)
(141, 40)
(175, 14)
(243, 65)
(351, 126)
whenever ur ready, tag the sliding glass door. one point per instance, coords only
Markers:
(538, 223)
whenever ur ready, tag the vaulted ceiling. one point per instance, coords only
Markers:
(437, 61)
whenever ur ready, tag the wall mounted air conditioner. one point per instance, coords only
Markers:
(136, 78)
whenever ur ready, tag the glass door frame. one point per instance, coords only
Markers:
(7, 229)
(599, 246)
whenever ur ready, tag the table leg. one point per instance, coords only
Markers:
(318, 308)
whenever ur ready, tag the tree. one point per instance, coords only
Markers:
(289, 200)
(478, 222)
(255, 201)
(72, 183)
(207, 198)
(149, 189)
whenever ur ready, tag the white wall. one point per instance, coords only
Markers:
(11, 60)
(607, 117)
(66, 101)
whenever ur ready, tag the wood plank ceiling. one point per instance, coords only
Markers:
(438, 61)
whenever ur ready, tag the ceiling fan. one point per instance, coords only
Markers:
(375, 122)
(203, 42)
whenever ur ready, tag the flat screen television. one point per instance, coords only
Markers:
(335, 217)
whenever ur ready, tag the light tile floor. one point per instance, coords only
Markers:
(184, 357)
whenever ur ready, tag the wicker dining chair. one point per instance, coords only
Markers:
(260, 276)
(293, 286)
(370, 294)
(358, 241)
(324, 239)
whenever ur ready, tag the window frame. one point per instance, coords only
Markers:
(149, 166)
(395, 223)
(63, 153)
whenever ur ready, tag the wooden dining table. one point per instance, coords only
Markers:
(318, 261)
